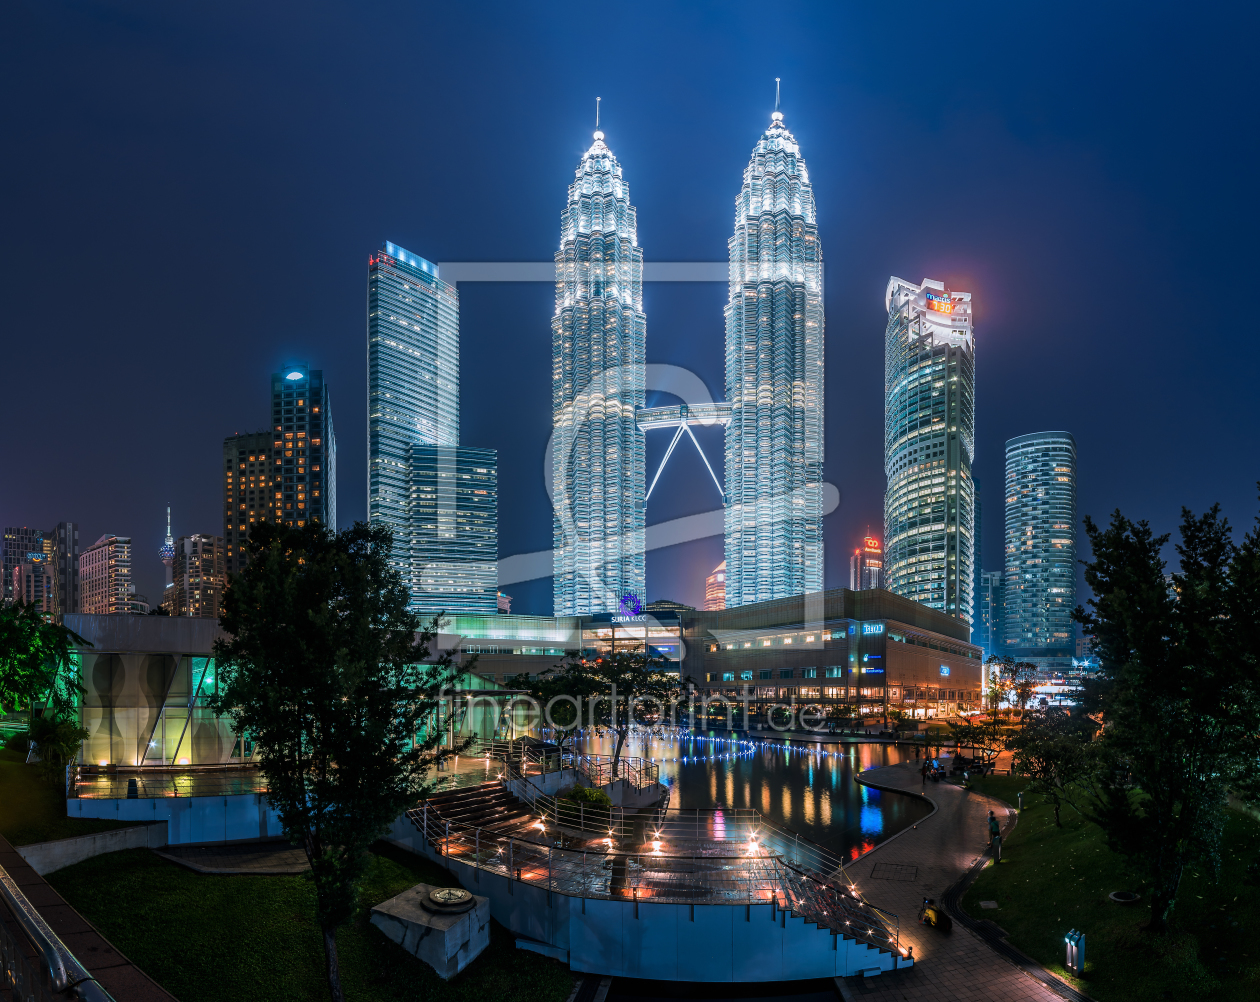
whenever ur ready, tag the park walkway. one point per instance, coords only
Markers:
(923, 862)
(114, 972)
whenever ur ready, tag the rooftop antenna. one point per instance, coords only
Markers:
(776, 93)
(597, 100)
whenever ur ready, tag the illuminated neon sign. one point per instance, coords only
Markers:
(944, 669)
(868, 628)
(940, 303)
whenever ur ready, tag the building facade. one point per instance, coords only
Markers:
(873, 652)
(452, 536)
(253, 491)
(774, 380)
(34, 582)
(598, 350)
(306, 476)
(986, 630)
(63, 542)
(200, 576)
(105, 586)
(929, 445)
(866, 565)
(413, 383)
(715, 589)
(1040, 577)
(20, 543)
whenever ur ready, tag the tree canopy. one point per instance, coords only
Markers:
(326, 671)
(37, 662)
(1178, 691)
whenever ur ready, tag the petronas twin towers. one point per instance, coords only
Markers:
(774, 383)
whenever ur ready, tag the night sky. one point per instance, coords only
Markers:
(191, 192)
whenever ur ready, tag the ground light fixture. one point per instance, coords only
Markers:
(1075, 952)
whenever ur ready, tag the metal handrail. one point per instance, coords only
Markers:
(64, 970)
(809, 879)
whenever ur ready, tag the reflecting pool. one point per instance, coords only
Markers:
(806, 786)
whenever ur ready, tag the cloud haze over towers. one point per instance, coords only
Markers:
(168, 245)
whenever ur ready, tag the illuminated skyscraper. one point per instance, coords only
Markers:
(200, 575)
(306, 476)
(866, 566)
(598, 367)
(105, 587)
(439, 500)
(715, 589)
(929, 443)
(252, 494)
(413, 381)
(1040, 578)
(774, 380)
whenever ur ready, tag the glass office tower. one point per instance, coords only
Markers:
(304, 444)
(454, 530)
(774, 379)
(439, 500)
(598, 335)
(986, 632)
(929, 444)
(413, 382)
(1040, 577)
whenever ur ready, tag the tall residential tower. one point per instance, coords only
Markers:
(1040, 577)
(929, 444)
(774, 379)
(304, 444)
(598, 350)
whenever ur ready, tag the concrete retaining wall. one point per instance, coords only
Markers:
(672, 942)
(189, 819)
(47, 857)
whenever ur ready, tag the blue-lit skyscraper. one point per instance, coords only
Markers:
(598, 367)
(929, 442)
(305, 478)
(1040, 578)
(440, 501)
(774, 380)
(454, 530)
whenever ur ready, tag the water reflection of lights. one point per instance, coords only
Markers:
(802, 785)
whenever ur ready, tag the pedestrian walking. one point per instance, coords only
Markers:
(995, 830)
(923, 771)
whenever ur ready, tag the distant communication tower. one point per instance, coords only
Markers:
(167, 553)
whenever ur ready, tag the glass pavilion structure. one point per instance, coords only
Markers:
(929, 446)
(598, 337)
(774, 380)
(1040, 577)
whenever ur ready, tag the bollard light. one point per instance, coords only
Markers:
(1021, 800)
(1075, 952)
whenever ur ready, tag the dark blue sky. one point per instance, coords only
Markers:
(190, 194)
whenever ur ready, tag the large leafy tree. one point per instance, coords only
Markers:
(37, 662)
(560, 693)
(1178, 691)
(1051, 749)
(628, 686)
(326, 670)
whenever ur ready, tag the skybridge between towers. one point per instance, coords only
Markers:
(682, 418)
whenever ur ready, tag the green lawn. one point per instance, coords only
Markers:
(1051, 880)
(209, 938)
(34, 810)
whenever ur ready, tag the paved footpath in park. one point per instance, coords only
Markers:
(923, 862)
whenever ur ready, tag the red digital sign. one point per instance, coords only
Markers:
(940, 302)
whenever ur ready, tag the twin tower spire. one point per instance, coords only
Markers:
(773, 497)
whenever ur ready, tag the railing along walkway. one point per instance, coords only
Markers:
(667, 855)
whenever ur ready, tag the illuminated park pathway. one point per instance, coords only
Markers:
(951, 967)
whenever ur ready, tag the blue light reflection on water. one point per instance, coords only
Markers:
(805, 786)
